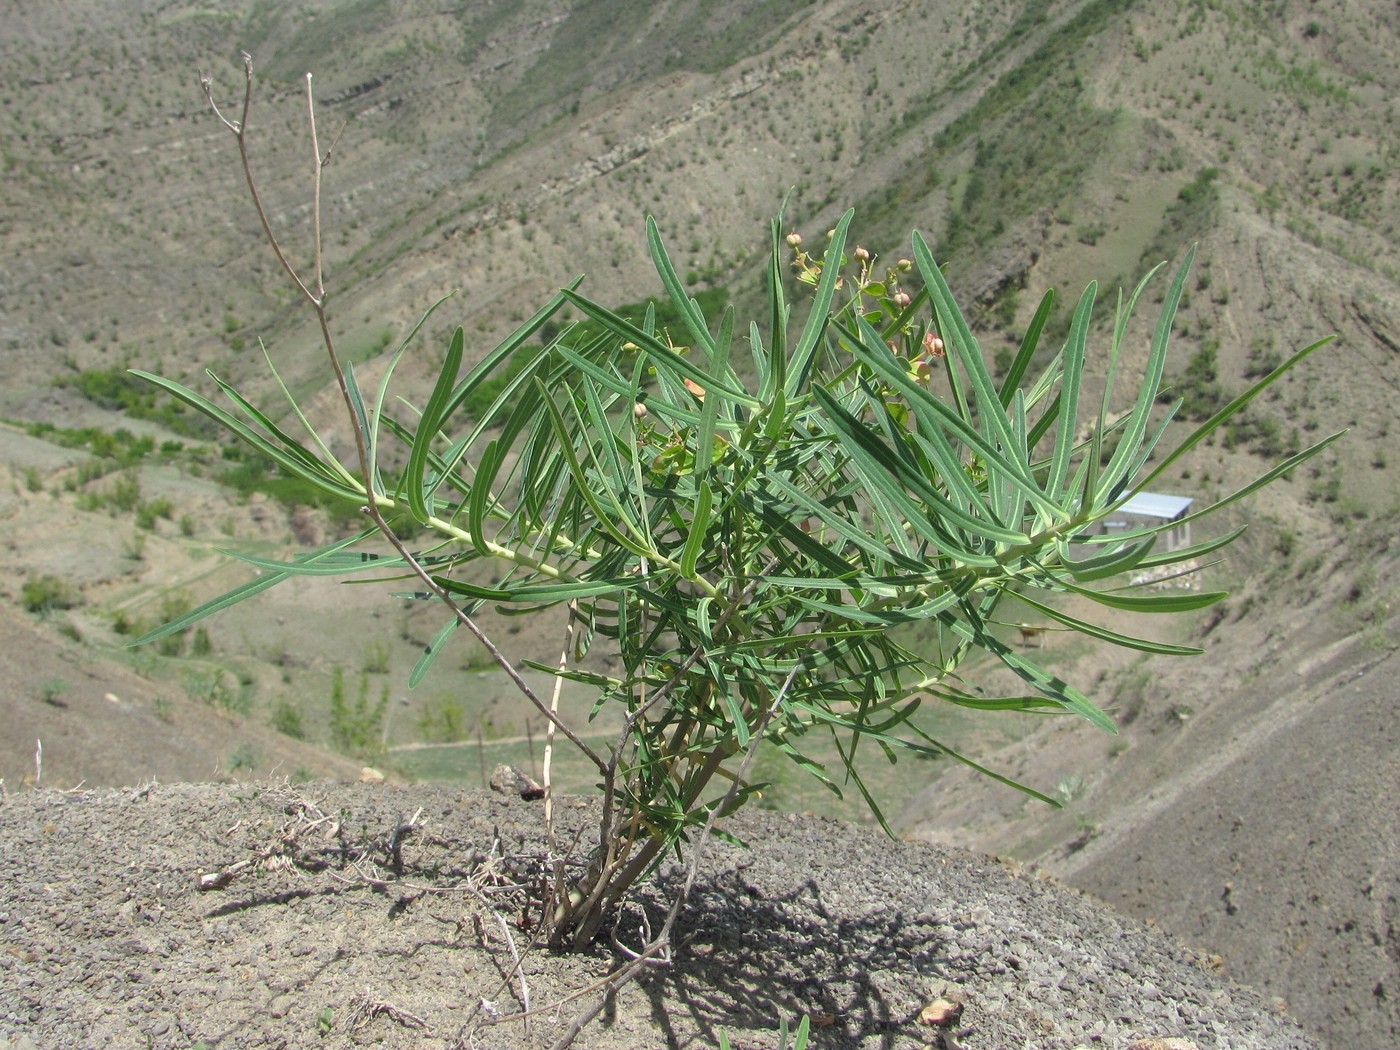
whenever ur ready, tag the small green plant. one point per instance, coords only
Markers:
(357, 727)
(286, 719)
(376, 659)
(125, 493)
(151, 511)
(171, 607)
(799, 1037)
(52, 689)
(134, 547)
(46, 594)
(742, 541)
(443, 720)
(243, 756)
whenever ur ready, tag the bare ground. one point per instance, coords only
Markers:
(318, 934)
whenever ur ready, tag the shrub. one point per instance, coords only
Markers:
(356, 728)
(743, 546)
(286, 719)
(46, 594)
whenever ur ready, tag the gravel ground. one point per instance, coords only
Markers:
(312, 938)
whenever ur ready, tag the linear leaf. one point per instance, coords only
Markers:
(699, 525)
(430, 652)
(247, 590)
(1105, 635)
(1069, 395)
(1029, 344)
(1116, 473)
(800, 364)
(294, 459)
(417, 490)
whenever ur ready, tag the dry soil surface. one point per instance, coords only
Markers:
(314, 934)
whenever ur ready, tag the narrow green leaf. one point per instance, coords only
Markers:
(719, 365)
(675, 291)
(357, 406)
(582, 485)
(1052, 686)
(417, 489)
(986, 772)
(1148, 603)
(1003, 459)
(773, 365)
(1115, 474)
(699, 525)
(1029, 344)
(383, 391)
(247, 590)
(1103, 634)
(963, 346)
(328, 457)
(479, 495)
(546, 593)
(800, 364)
(889, 473)
(1210, 425)
(1184, 554)
(293, 459)
(652, 346)
(1110, 563)
(430, 652)
(1069, 396)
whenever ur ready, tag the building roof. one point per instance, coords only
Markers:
(1156, 505)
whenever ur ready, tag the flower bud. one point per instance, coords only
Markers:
(901, 298)
(794, 240)
(904, 266)
(861, 254)
(639, 410)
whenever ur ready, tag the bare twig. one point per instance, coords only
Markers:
(364, 1009)
(518, 970)
(546, 768)
(317, 299)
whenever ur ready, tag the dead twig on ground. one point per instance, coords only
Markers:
(364, 1008)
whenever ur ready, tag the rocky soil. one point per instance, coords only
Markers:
(339, 916)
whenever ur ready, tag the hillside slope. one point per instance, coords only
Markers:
(496, 151)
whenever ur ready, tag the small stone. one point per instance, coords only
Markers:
(941, 1013)
(370, 775)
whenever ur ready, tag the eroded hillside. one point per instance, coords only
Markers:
(497, 151)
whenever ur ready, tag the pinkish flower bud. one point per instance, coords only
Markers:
(933, 346)
(901, 298)
(861, 254)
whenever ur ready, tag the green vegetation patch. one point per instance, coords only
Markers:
(119, 391)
